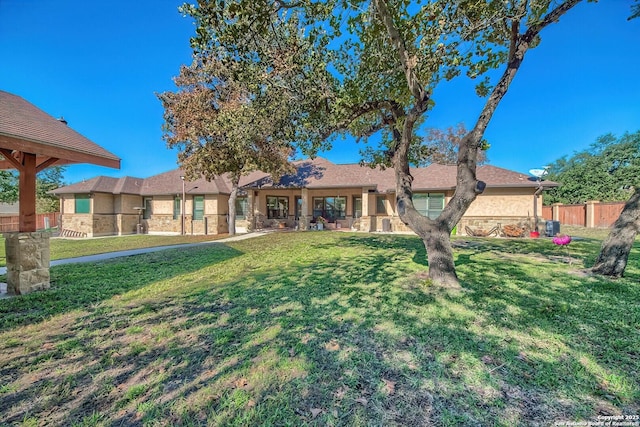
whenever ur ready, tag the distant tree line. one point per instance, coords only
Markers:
(47, 180)
(608, 170)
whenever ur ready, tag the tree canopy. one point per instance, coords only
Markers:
(608, 170)
(442, 146)
(8, 187)
(47, 180)
(369, 68)
(234, 114)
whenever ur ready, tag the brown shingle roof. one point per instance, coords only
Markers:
(171, 183)
(103, 184)
(321, 173)
(25, 127)
(313, 174)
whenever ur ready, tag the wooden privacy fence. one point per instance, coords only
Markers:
(591, 214)
(607, 213)
(11, 223)
(573, 215)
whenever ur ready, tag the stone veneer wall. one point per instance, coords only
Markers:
(27, 262)
(163, 223)
(104, 225)
(126, 224)
(487, 223)
(81, 223)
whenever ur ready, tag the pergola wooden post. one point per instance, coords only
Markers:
(30, 141)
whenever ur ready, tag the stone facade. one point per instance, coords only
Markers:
(487, 223)
(155, 206)
(27, 262)
(164, 223)
(79, 223)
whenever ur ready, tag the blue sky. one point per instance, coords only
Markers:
(99, 64)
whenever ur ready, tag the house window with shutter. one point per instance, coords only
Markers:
(330, 208)
(177, 208)
(429, 204)
(242, 207)
(381, 205)
(277, 207)
(82, 203)
(198, 207)
(146, 213)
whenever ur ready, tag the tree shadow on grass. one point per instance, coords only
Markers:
(591, 321)
(81, 286)
(351, 337)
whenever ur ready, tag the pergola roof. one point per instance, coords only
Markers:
(26, 128)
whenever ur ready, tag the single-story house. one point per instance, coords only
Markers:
(345, 195)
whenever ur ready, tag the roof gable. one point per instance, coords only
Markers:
(25, 127)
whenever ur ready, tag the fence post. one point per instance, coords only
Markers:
(555, 211)
(591, 213)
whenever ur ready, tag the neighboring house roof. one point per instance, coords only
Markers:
(313, 174)
(25, 127)
(9, 208)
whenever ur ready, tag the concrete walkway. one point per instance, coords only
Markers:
(118, 254)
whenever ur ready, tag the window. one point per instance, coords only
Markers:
(177, 208)
(381, 206)
(242, 207)
(298, 201)
(277, 207)
(357, 207)
(198, 207)
(146, 213)
(429, 204)
(330, 208)
(83, 203)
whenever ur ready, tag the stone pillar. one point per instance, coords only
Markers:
(304, 218)
(27, 262)
(252, 200)
(591, 213)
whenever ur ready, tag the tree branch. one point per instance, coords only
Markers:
(367, 107)
(408, 63)
(519, 47)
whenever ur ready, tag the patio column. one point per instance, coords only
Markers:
(365, 219)
(251, 200)
(304, 219)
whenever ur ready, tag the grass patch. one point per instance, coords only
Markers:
(61, 248)
(324, 329)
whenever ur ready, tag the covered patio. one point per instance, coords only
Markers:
(31, 141)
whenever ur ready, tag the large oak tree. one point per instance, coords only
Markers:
(231, 117)
(386, 58)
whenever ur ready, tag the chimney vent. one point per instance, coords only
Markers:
(62, 120)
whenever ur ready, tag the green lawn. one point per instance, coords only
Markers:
(325, 328)
(69, 248)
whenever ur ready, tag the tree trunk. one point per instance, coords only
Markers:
(435, 234)
(232, 205)
(614, 253)
(440, 256)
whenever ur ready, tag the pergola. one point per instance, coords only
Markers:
(30, 141)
